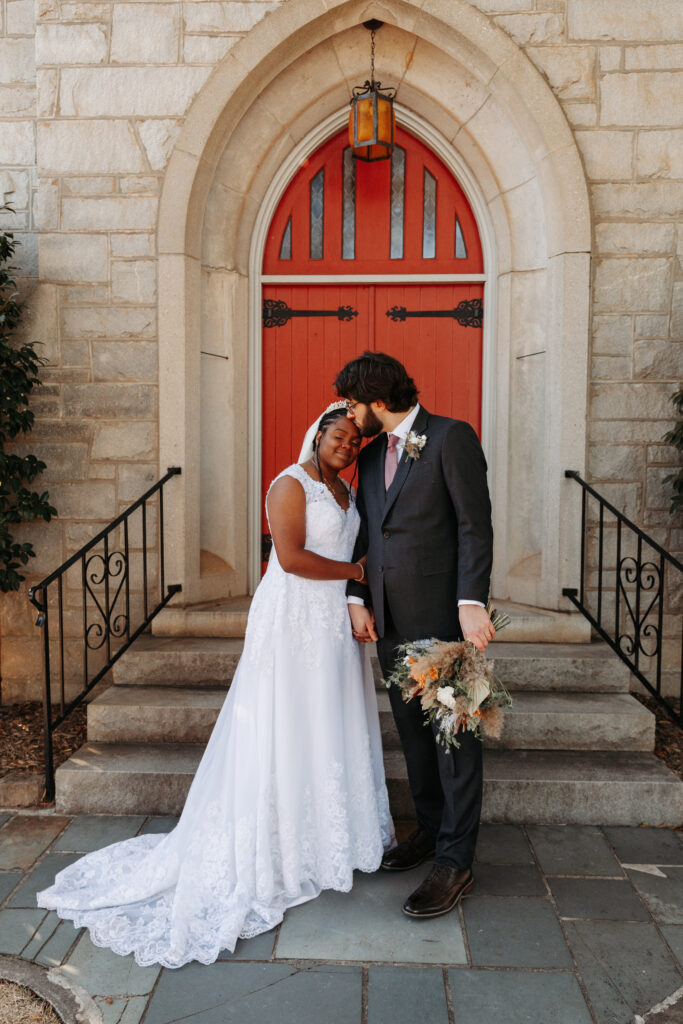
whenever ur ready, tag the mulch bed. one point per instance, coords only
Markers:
(668, 735)
(21, 737)
(18, 1005)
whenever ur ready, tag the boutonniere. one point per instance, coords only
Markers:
(414, 443)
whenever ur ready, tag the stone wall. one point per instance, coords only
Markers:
(92, 97)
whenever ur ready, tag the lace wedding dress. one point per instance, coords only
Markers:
(289, 797)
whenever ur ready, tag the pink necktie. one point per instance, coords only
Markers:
(391, 460)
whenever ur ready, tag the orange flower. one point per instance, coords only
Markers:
(422, 680)
(411, 661)
(433, 674)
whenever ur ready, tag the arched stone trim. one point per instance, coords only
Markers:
(467, 79)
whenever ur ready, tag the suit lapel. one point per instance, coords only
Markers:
(404, 466)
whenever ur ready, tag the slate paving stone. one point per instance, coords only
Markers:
(104, 973)
(604, 899)
(158, 826)
(367, 924)
(41, 877)
(56, 949)
(8, 880)
(625, 967)
(47, 928)
(508, 880)
(673, 933)
(258, 948)
(514, 933)
(663, 896)
(3, 819)
(645, 845)
(519, 997)
(17, 928)
(25, 838)
(404, 995)
(239, 993)
(93, 831)
(573, 850)
(122, 1011)
(502, 844)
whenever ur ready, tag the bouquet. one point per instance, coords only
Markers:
(454, 683)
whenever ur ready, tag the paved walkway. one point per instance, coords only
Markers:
(566, 925)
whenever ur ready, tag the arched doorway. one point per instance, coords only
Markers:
(382, 256)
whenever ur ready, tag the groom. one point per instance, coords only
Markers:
(426, 530)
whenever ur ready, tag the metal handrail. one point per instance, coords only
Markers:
(109, 624)
(635, 632)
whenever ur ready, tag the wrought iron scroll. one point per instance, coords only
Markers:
(277, 313)
(468, 313)
(629, 591)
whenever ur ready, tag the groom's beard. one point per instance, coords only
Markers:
(371, 425)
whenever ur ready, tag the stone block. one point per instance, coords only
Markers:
(625, 431)
(17, 64)
(18, 100)
(129, 92)
(628, 20)
(644, 200)
(144, 33)
(140, 184)
(125, 360)
(616, 462)
(610, 58)
(611, 367)
(102, 185)
(657, 493)
(206, 49)
(635, 285)
(17, 142)
(88, 147)
(529, 29)
(124, 441)
(71, 44)
(233, 16)
(659, 154)
(25, 837)
(636, 401)
(47, 85)
(580, 113)
(76, 353)
(158, 137)
(134, 479)
(642, 58)
(84, 295)
(85, 11)
(108, 323)
(134, 281)
(87, 500)
(607, 155)
(612, 335)
(133, 245)
(570, 70)
(658, 360)
(20, 18)
(74, 257)
(110, 401)
(21, 789)
(14, 188)
(633, 239)
(642, 98)
(108, 213)
(651, 325)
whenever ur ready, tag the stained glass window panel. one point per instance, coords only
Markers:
(398, 193)
(317, 200)
(429, 217)
(286, 243)
(460, 247)
(348, 205)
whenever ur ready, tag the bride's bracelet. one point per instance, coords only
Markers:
(361, 578)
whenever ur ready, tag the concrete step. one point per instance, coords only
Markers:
(542, 787)
(228, 618)
(536, 721)
(211, 661)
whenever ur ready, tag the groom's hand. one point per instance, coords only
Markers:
(362, 623)
(476, 625)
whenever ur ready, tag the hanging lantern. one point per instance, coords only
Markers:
(372, 119)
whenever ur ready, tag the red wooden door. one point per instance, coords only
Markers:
(339, 216)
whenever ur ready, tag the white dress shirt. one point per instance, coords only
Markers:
(401, 431)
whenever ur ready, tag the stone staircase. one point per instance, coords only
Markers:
(576, 746)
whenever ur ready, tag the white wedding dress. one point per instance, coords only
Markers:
(289, 797)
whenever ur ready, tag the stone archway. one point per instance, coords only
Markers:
(479, 94)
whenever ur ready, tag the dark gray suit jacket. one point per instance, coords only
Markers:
(428, 539)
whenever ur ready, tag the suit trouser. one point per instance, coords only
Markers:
(446, 785)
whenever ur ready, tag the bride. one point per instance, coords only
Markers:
(289, 797)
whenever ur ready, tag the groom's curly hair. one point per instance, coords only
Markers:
(375, 376)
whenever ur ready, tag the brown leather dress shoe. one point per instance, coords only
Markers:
(414, 850)
(441, 890)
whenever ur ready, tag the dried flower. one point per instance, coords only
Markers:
(413, 445)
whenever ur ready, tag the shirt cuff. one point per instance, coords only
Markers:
(355, 600)
(465, 601)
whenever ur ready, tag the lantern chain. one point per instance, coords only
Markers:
(372, 56)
